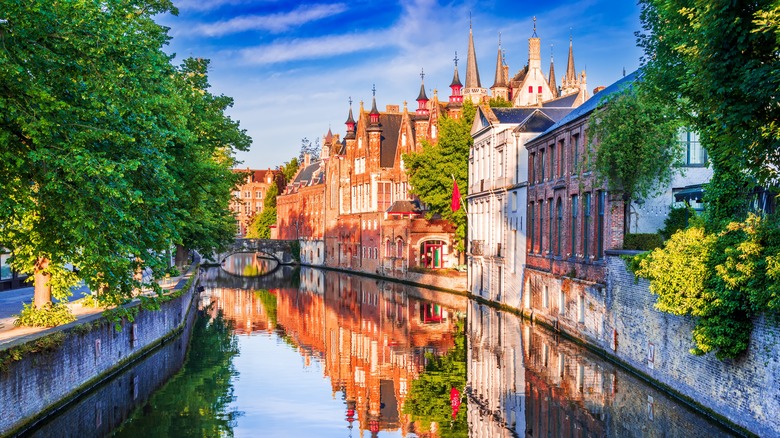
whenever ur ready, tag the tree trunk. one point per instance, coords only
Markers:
(182, 256)
(42, 294)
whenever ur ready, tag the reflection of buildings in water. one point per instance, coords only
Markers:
(246, 309)
(371, 341)
(525, 381)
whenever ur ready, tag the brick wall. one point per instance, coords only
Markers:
(41, 381)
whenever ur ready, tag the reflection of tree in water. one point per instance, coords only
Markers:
(269, 304)
(428, 401)
(196, 401)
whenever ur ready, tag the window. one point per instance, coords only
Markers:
(553, 167)
(695, 155)
(531, 89)
(541, 165)
(5, 268)
(399, 248)
(586, 226)
(514, 201)
(561, 301)
(545, 297)
(532, 168)
(531, 226)
(500, 170)
(541, 226)
(602, 198)
(559, 227)
(384, 195)
(575, 151)
(550, 222)
(574, 200)
(388, 248)
(540, 89)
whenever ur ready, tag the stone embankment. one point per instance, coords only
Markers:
(621, 322)
(40, 373)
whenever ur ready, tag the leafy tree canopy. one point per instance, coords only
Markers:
(312, 148)
(432, 168)
(110, 153)
(718, 61)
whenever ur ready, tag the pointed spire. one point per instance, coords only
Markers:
(422, 98)
(350, 123)
(553, 84)
(455, 76)
(472, 71)
(571, 72)
(374, 114)
(500, 80)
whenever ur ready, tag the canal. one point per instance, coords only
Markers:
(326, 354)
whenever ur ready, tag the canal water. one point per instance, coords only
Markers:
(325, 354)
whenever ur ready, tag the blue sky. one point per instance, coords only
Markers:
(292, 67)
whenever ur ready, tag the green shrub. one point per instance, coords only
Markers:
(677, 220)
(48, 315)
(642, 241)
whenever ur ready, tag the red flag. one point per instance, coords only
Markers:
(454, 399)
(455, 204)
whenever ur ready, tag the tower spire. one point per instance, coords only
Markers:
(571, 72)
(553, 84)
(500, 80)
(374, 114)
(350, 123)
(422, 98)
(456, 85)
(474, 89)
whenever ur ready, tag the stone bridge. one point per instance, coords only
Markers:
(279, 250)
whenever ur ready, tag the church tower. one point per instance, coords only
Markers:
(551, 76)
(571, 82)
(422, 98)
(534, 87)
(500, 88)
(455, 105)
(473, 90)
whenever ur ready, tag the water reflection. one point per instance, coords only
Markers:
(325, 354)
(249, 264)
(526, 381)
(199, 400)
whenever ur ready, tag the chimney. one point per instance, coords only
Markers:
(306, 159)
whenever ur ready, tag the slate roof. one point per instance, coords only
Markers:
(405, 207)
(563, 101)
(533, 118)
(589, 105)
(391, 124)
(308, 176)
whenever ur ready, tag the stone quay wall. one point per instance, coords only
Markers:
(91, 351)
(621, 320)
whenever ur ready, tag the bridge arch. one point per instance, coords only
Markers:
(283, 251)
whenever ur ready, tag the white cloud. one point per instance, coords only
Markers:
(313, 48)
(209, 5)
(274, 23)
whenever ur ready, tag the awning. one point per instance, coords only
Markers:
(694, 193)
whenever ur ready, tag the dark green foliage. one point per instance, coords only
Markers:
(260, 228)
(43, 344)
(642, 241)
(675, 221)
(717, 61)
(633, 143)
(429, 397)
(431, 170)
(295, 249)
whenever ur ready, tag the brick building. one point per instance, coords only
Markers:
(248, 197)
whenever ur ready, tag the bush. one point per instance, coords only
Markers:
(48, 315)
(677, 220)
(642, 241)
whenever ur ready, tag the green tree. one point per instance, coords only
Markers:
(289, 169)
(260, 228)
(633, 144)
(432, 168)
(718, 61)
(499, 102)
(104, 144)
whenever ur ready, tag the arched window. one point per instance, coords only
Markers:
(388, 248)
(399, 247)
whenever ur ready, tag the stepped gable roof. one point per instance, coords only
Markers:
(566, 101)
(591, 104)
(520, 76)
(391, 125)
(405, 207)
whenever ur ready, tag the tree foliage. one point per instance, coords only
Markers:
(429, 396)
(289, 169)
(718, 61)
(633, 143)
(312, 148)
(432, 168)
(260, 228)
(110, 154)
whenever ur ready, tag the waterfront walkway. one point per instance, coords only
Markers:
(12, 301)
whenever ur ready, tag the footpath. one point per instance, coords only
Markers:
(12, 301)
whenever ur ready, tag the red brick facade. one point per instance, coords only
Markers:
(249, 196)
